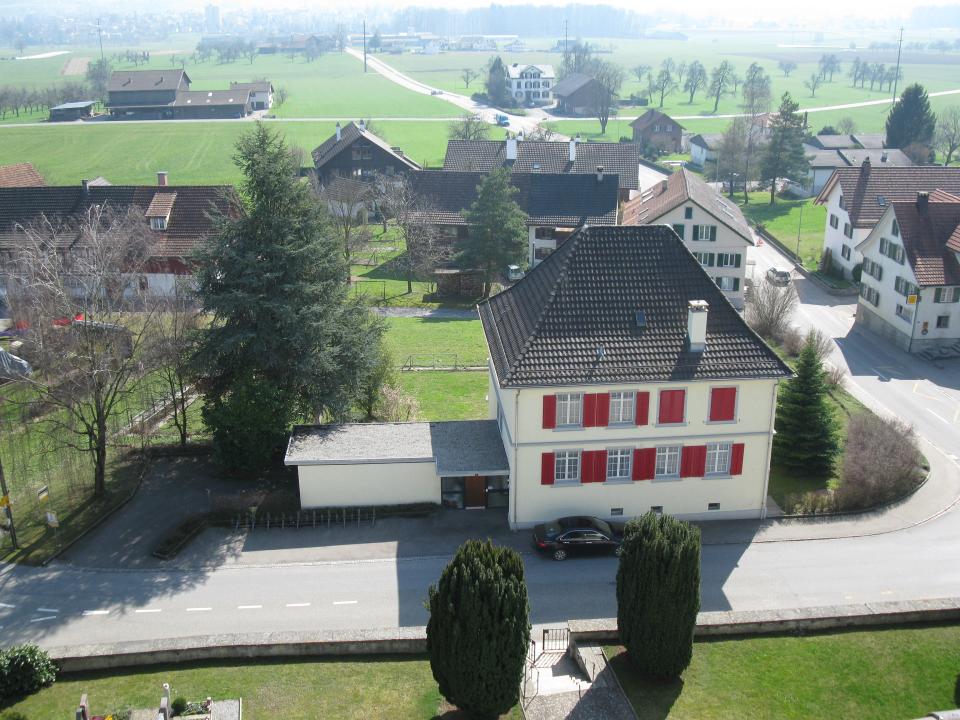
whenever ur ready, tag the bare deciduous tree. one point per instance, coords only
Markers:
(468, 75)
(881, 462)
(770, 308)
(947, 135)
(347, 202)
(77, 286)
(814, 83)
(469, 127)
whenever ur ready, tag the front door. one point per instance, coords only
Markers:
(475, 492)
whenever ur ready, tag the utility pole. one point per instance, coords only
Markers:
(896, 75)
(566, 45)
(100, 36)
(364, 45)
(5, 499)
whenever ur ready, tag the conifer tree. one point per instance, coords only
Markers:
(658, 594)
(911, 120)
(479, 629)
(286, 343)
(784, 156)
(806, 438)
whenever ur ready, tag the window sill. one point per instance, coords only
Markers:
(720, 422)
(567, 428)
(667, 478)
(718, 476)
(671, 425)
(617, 481)
(567, 483)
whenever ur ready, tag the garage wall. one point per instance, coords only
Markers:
(368, 484)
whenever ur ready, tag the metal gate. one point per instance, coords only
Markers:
(555, 640)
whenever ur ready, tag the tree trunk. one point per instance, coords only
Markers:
(100, 458)
(773, 191)
(716, 102)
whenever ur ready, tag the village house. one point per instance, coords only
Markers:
(68, 111)
(621, 381)
(555, 204)
(261, 93)
(704, 148)
(577, 94)
(530, 84)
(166, 95)
(179, 218)
(910, 286)
(710, 226)
(824, 162)
(856, 198)
(355, 152)
(657, 131)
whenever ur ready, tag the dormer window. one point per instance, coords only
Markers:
(158, 213)
(158, 223)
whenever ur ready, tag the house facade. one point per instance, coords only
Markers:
(621, 381)
(703, 148)
(856, 198)
(576, 94)
(910, 285)
(355, 152)
(261, 93)
(657, 131)
(166, 95)
(712, 228)
(531, 84)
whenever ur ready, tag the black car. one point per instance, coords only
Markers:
(577, 535)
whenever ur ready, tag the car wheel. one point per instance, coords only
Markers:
(559, 554)
(618, 550)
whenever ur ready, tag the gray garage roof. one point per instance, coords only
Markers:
(468, 447)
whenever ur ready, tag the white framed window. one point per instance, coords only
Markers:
(566, 466)
(158, 223)
(845, 252)
(618, 463)
(946, 295)
(869, 294)
(730, 284)
(943, 322)
(704, 232)
(873, 269)
(569, 410)
(668, 461)
(848, 230)
(621, 408)
(705, 259)
(718, 458)
(728, 260)
(834, 221)
(905, 312)
(895, 228)
(841, 203)
(905, 287)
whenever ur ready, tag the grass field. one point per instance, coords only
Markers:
(882, 674)
(785, 218)
(440, 341)
(199, 153)
(399, 688)
(446, 395)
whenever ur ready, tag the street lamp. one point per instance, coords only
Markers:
(799, 225)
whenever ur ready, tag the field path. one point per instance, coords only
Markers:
(75, 66)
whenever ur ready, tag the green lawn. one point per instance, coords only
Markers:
(881, 674)
(445, 395)
(192, 152)
(398, 688)
(437, 341)
(784, 218)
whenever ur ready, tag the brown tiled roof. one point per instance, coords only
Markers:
(573, 319)
(927, 233)
(349, 134)
(160, 205)
(653, 116)
(862, 187)
(20, 175)
(191, 216)
(680, 187)
(142, 80)
(546, 199)
(533, 156)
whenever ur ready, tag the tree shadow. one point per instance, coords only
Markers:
(651, 699)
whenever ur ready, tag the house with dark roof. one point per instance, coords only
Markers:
(711, 227)
(657, 131)
(576, 94)
(856, 198)
(355, 152)
(704, 147)
(20, 175)
(621, 381)
(179, 217)
(824, 162)
(68, 111)
(552, 157)
(166, 95)
(910, 284)
(555, 204)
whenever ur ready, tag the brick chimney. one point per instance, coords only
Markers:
(697, 311)
(162, 178)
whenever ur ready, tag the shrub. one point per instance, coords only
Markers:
(881, 462)
(24, 669)
(770, 308)
(835, 376)
(178, 705)
(479, 629)
(792, 341)
(13, 715)
(857, 272)
(658, 593)
(812, 502)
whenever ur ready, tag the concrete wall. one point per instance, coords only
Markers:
(368, 484)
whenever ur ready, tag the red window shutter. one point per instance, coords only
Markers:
(586, 466)
(671, 406)
(600, 465)
(589, 410)
(547, 470)
(693, 461)
(736, 459)
(723, 404)
(644, 463)
(603, 409)
(549, 412)
(643, 408)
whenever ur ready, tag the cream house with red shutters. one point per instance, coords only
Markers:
(621, 380)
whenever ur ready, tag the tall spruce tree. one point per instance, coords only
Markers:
(497, 81)
(784, 156)
(286, 343)
(498, 230)
(806, 438)
(479, 629)
(911, 120)
(658, 594)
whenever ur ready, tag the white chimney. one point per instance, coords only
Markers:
(362, 125)
(573, 148)
(599, 173)
(697, 324)
(162, 178)
(338, 131)
(511, 148)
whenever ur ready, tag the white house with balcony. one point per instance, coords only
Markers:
(910, 285)
(531, 84)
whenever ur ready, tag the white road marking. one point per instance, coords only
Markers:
(148, 610)
(345, 602)
(886, 592)
(939, 417)
(249, 607)
(48, 610)
(96, 612)
(198, 609)
(298, 604)
(6, 605)
(41, 619)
